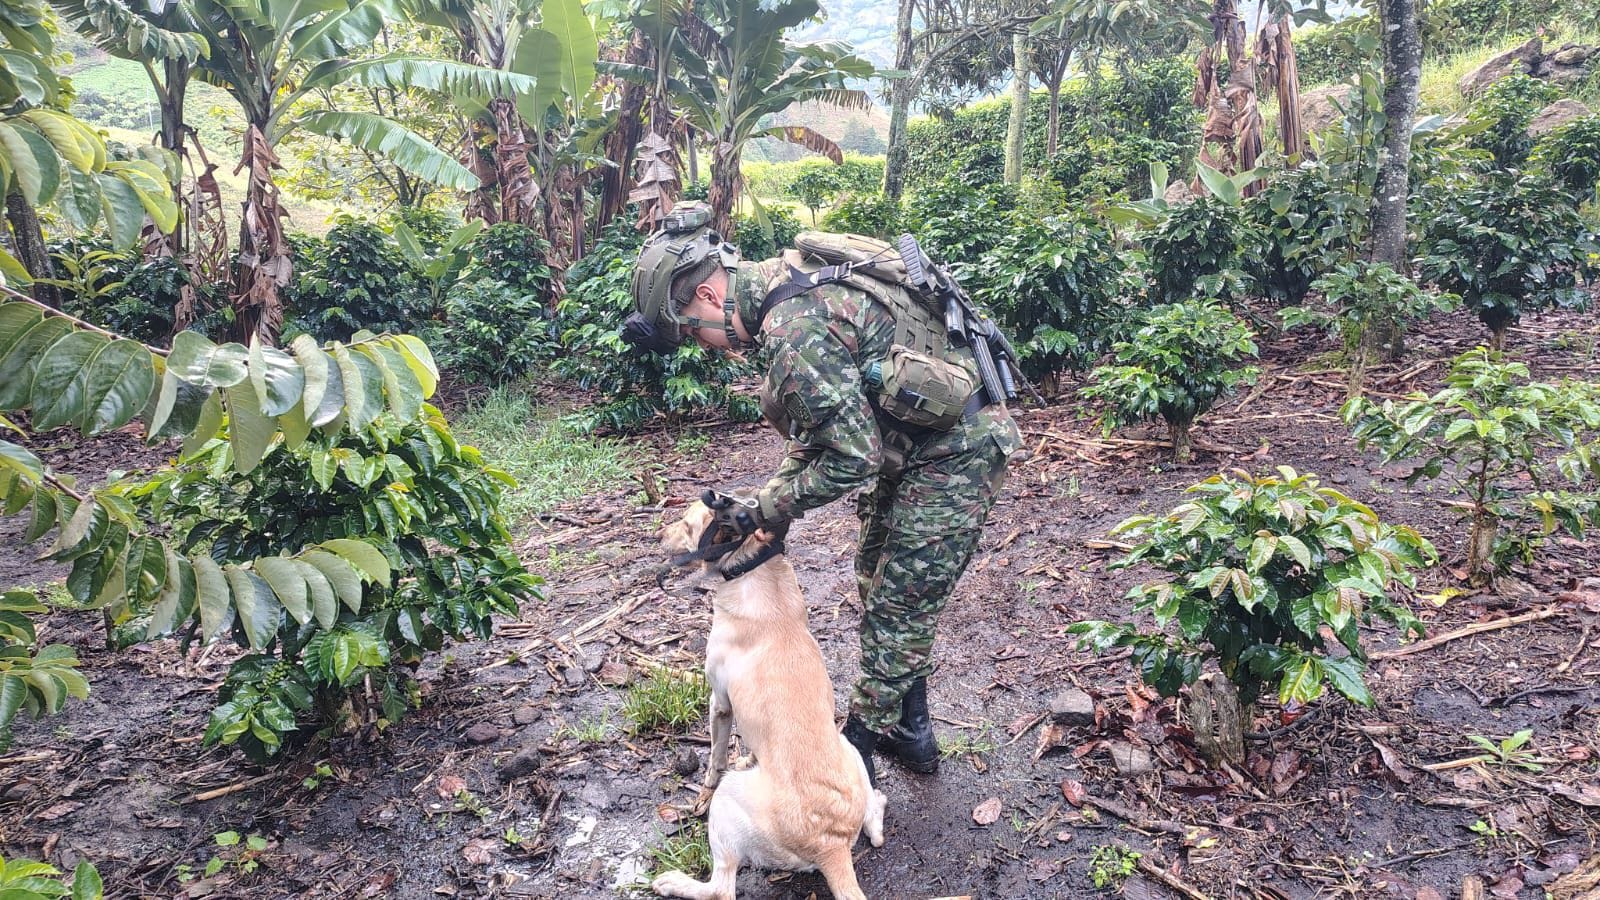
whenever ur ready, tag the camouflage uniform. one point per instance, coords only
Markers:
(925, 496)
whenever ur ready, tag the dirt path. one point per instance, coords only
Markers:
(1340, 805)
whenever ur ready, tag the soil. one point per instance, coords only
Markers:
(1341, 803)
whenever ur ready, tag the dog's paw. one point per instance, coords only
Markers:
(674, 884)
(702, 801)
(876, 805)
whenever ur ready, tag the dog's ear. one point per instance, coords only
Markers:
(683, 535)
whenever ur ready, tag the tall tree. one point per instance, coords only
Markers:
(269, 56)
(901, 91)
(1402, 79)
(1017, 124)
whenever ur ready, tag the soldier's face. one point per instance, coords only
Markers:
(707, 305)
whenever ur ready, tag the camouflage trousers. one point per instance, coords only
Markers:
(919, 530)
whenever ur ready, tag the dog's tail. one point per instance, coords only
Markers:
(839, 868)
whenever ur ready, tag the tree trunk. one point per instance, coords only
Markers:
(1182, 447)
(1052, 137)
(724, 188)
(1015, 129)
(1218, 719)
(173, 137)
(1402, 78)
(1480, 548)
(900, 93)
(28, 240)
(264, 261)
(484, 203)
(623, 141)
(690, 150)
(1290, 127)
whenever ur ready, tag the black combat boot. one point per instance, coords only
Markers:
(865, 740)
(911, 741)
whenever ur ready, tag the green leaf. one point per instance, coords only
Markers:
(1261, 551)
(421, 362)
(363, 387)
(211, 592)
(176, 602)
(122, 208)
(60, 383)
(249, 432)
(208, 423)
(411, 152)
(86, 883)
(120, 380)
(277, 377)
(1296, 549)
(284, 577)
(147, 569)
(43, 518)
(15, 320)
(33, 162)
(255, 604)
(200, 362)
(18, 366)
(364, 556)
(344, 578)
(400, 386)
(1302, 681)
(13, 691)
(82, 533)
(1344, 673)
(324, 602)
(314, 370)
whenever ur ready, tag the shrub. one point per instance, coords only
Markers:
(495, 331)
(33, 679)
(1494, 436)
(756, 242)
(1259, 566)
(24, 879)
(431, 226)
(1178, 364)
(1357, 296)
(957, 224)
(1336, 50)
(123, 291)
(1198, 250)
(1571, 154)
(422, 555)
(635, 387)
(1503, 114)
(353, 279)
(1306, 221)
(871, 214)
(1508, 247)
(1053, 285)
(513, 254)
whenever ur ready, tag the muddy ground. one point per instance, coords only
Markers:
(1341, 804)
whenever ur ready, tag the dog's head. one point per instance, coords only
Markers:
(683, 536)
(689, 535)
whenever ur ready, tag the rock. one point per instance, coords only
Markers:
(1556, 115)
(574, 676)
(523, 763)
(1131, 761)
(526, 715)
(1317, 109)
(482, 733)
(687, 763)
(1522, 59)
(596, 793)
(1072, 707)
(593, 661)
(614, 674)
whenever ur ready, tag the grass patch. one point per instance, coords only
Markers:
(589, 730)
(669, 699)
(552, 462)
(688, 851)
(978, 743)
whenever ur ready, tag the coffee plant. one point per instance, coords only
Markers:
(1053, 285)
(1309, 219)
(1356, 297)
(869, 213)
(1198, 250)
(1509, 247)
(25, 879)
(356, 278)
(1180, 361)
(1571, 154)
(1258, 567)
(1501, 116)
(1504, 445)
(513, 254)
(35, 679)
(957, 223)
(494, 331)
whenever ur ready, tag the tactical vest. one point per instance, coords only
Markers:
(925, 382)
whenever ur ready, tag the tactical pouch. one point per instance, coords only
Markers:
(921, 390)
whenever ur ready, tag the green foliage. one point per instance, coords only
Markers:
(1508, 247)
(1053, 284)
(668, 700)
(1181, 361)
(857, 174)
(1198, 250)
(635, 387)
(24, 879)
(1571, 154)
(439, 269)
(688, 850)
(1307, 220)
(957, 223)
(1501, 116)
(354, 279)
(513, 254)
(753, 240)
(1358, 295)
(366, 550)
(1501, 442)
(1512, 751)
(868, 213)
(1333, 51)
(1111, 864)
(495, 332)
(32, 678)
(1260, 566)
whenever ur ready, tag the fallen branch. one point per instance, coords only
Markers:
(583, 630)
(234, 788)
(1148, 867)
(1476, 628)
(1132, 817)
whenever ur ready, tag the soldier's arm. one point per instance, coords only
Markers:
(837, 447)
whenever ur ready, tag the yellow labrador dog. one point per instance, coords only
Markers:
(807, 798)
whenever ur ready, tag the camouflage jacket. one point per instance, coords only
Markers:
(819, 344)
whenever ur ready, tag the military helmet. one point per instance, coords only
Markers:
(684, 240)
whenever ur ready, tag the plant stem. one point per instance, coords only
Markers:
(90, 326)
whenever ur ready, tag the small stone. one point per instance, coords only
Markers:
(524, 763)
(687, 763)
(597, 793)
(593, 661)
(574, 676)
(1072, 707)
(526, 715)
(614, 674)
(1131, 761)
(482, 733)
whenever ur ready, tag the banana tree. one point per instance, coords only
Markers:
(269, 56)
(735, 70)
(49, 158)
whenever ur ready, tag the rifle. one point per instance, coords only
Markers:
(966, 325)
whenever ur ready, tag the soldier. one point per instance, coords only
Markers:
(927, 484)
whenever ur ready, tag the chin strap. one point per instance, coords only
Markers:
(712, 551)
